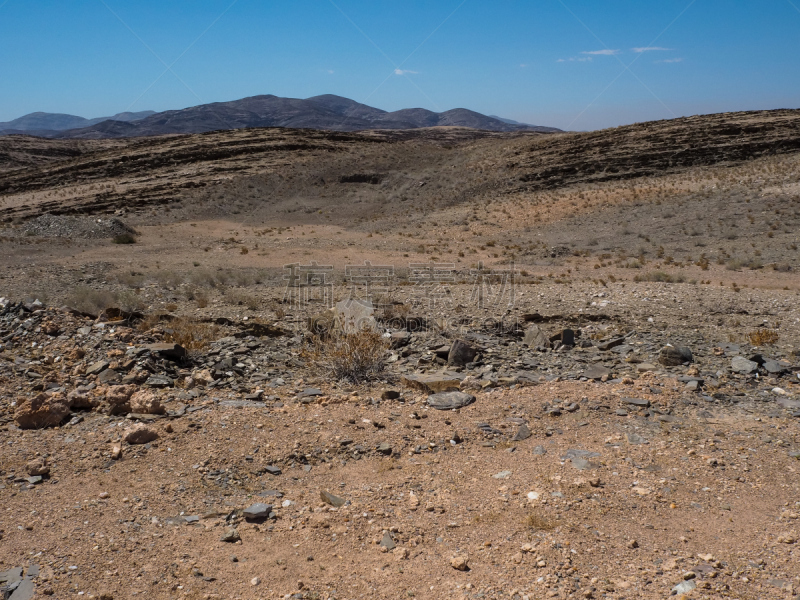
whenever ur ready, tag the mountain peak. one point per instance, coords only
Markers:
(326, 111)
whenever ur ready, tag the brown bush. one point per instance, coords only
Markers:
(192, 335)
(354, 357)
(763, 337)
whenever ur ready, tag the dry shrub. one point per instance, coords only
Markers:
(763, 337)
(353, 357)
(242, 298)
(192, 335)
(128, 301)
(660, 276)
(536, 521)
(276, 307)
(89, 300)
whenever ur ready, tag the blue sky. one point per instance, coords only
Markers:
(574, 64)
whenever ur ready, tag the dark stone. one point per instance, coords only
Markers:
(461, 353)
(535, 337)
(24, 591)
(450, 400)
(257, 511)
(109, 376)
(673, 356)
(159, 381)
(272, 470)
(568, 337)
(384, 449)
(387, 541)
(773, 367)
(390, 395)
(309, 392)
(596, 372)
(640, 402)
(523, 433)
(739, 364)
(400, 339)
(97, 367)
(173, 352)
(11, 576)
(270, 494)
(605, 346)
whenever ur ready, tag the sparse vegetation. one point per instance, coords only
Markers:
(90, 300)
(660, 277)
(124, 238)
(354, 357)
(763, 337)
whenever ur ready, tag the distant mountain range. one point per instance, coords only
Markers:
(41, 121)
(320, 112)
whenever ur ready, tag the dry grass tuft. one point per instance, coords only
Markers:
(89, 300)
(353, 357)
(763, 337)
(192, 335)
(660, 276)
(536, 521)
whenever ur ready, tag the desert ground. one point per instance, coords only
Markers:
(581, 363)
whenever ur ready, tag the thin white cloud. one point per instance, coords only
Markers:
(330, 71)
(576, 59)
(670, 60)
(605, 52)
(649, 49)
(404, 72)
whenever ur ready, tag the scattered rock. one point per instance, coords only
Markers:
(44, 410)
(97, 368)
(230, 536)
(140, 434)
(596, 372)
(460, 562)
(639, 402)
(257, 511)
(535, 337)
(739, 364)
(37, 466)
(387, 542)
(146, 402)
(523, 433)
(433, 383)
(461, 353)
(684, 587)
(174, 352)
(329, 498)
(674, 356)
(118, 398)
(159, 381)
(450, 400)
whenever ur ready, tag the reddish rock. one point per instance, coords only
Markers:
(42, 411)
